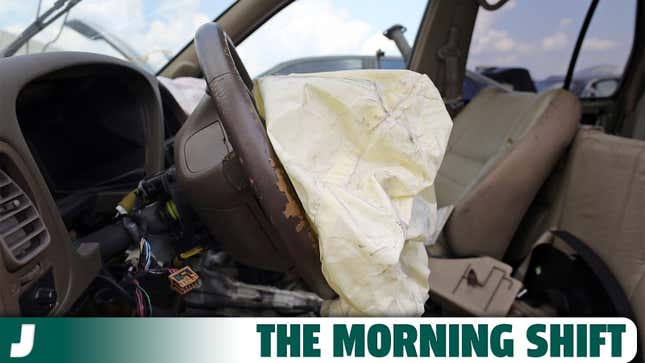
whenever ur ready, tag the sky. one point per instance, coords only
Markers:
(540, 35)
(157, 29)
(537, 35)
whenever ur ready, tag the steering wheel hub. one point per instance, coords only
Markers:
(247, 201)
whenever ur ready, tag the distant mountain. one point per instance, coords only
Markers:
(581, 77)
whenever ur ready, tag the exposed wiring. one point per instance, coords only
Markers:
(139, 294)
(146, 247)
(145, 258)
(140, 308)
(162, 271)
(147, 298)
(149, 254)
(145, 253)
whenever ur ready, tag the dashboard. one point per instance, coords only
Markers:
(84, 126)
(69, 123)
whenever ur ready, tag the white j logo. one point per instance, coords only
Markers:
(26, 343)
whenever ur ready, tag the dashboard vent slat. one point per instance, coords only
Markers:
(19, 226)
(11, 196)
(25, 240)
(22, 232)
(12, 213)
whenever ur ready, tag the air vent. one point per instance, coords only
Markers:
(22, 233)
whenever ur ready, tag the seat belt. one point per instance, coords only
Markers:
(449, 53)
(609, 283)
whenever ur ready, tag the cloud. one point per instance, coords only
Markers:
(559, 39)
(506, 60)
(118, 17)
(17, 9)
(379, 41)
(564, 22)
(492, 40)
(499, 42)
(176, 26)
(155, 30)
(598, 44)
(556, 41)
(493, 45)
(305, 29)
(489, 38)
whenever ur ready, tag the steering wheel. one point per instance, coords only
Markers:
(230, 89)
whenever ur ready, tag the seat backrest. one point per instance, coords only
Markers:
(636, 120)
(478, 133)
(502, 148)
(601, 200)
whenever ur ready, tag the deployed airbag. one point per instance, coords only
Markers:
(362, 149)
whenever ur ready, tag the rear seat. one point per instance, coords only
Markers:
(502, 147)
(600, 198)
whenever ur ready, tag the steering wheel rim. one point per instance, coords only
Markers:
(229, 86)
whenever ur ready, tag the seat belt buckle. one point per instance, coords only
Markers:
(480, 286)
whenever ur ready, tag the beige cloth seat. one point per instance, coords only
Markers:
(636, 120)
(502, 147)
(600, 198)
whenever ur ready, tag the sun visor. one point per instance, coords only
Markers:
(362, 149)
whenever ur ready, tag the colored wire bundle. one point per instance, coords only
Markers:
(146, 253)
(161, 271)
(140, 292)
(139, 298)
(143, 301)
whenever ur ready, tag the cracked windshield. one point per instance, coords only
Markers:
(146, 32)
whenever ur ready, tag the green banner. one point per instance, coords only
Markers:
(196, 340)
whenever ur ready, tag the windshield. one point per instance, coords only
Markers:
(146, 32)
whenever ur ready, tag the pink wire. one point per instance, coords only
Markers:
(140, 308)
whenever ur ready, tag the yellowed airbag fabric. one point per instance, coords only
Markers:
(362, 149)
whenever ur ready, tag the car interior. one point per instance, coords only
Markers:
(205, 193)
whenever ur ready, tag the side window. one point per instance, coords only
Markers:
(311, 65)
(392, 63)
(605, 49)
(527, 45)
(341, 34)
(526, 42)
(470, 88)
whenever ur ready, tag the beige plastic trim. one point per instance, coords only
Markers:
(479, 286)
(442, 43)
(72, 269)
